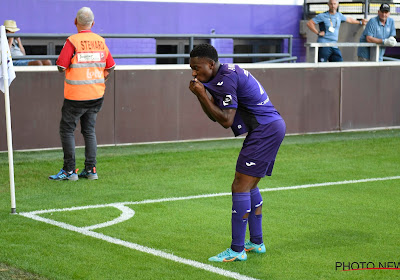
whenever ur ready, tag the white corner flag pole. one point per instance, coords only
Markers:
(4, 65)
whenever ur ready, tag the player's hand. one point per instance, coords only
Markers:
(197, 87)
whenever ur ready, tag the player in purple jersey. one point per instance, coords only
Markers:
(240, 102)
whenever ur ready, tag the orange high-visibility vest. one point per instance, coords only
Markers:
(84, 78)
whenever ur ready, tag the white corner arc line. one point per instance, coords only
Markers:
(140, 248)
(126, 214)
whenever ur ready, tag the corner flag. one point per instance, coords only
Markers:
(7, 71)
(7, 75)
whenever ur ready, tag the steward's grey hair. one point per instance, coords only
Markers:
(85, 16)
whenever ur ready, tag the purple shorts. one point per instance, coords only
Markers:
(259, 149)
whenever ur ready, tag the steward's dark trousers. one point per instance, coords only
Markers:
(86, 112)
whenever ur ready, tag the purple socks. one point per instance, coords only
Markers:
(243, 203)
(240, 206)
(255, 220)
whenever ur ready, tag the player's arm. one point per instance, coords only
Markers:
(223, 117)
(206, 111)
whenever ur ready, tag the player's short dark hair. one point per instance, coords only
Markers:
(205, 50)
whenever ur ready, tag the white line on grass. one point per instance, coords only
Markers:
(212, 195)
(332, 183)
(141, 248)
(128, 213)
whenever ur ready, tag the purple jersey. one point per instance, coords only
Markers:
(235, 88)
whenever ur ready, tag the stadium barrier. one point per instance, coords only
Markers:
(285, 55)
(312, 49)
(153, 103)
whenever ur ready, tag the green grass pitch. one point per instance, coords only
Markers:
(307, 231)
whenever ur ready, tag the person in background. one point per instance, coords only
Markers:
(87, 63)
(17, 48)
(379, 30)
(329, 23)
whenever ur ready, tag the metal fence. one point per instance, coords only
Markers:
(284, 56)
(374, 49)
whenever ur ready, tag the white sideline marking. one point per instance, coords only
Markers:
(333, 183)
(140, 248)
(212, 195)
(128, 213)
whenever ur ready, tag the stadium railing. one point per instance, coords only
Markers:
(374, 49)
(284, 56)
